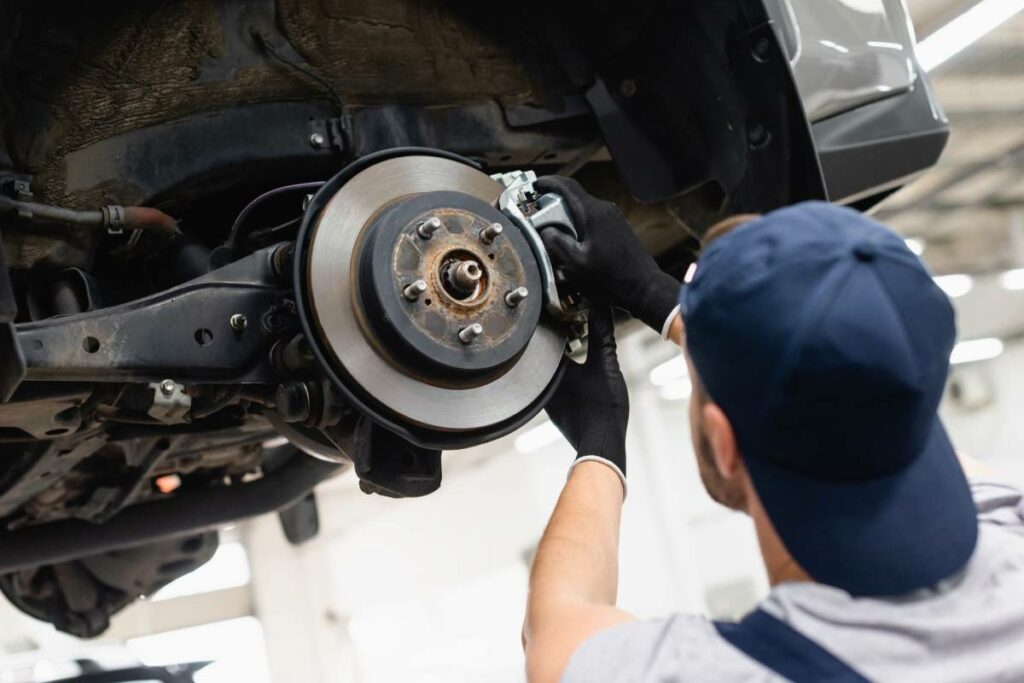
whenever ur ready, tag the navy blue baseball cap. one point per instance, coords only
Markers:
(826, 343)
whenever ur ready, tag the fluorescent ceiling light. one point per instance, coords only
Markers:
(976, 350)
(532, 440)
(835, 46)
(679, 390)
(669, 371)
(915, 245)
(1012, 279)
(964, 30)
(955, 285)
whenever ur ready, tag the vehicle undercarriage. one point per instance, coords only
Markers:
(225, 223)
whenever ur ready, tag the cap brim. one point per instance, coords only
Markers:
(884, 536)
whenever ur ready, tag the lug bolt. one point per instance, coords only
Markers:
(468, 334)
(415, 290)
(514, 297)
(428, 227)
(167, 387)
(238, 322)
(490, 233)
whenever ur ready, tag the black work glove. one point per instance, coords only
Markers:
(591, 405)
(608, 263)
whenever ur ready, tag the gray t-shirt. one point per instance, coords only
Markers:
(968, 628)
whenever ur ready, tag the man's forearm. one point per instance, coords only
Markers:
(574, 577)
(577, 556)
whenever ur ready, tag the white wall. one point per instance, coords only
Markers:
(988, 423)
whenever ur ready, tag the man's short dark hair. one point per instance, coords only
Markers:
(725, 226)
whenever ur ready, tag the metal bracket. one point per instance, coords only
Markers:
(16, 185)
(170, 402)
(519, 201)
(12, 360)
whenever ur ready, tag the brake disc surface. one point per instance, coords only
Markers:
(411, 354)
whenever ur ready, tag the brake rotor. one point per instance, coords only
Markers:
(426, 299)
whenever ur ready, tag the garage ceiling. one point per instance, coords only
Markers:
(969, 210)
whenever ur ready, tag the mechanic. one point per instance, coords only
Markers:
(818, 346)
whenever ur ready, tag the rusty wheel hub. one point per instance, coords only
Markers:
(434, 274)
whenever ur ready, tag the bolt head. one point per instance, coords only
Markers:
(317, 140)
(762, 49)
(238, 322)
(167, 387)
(758, 137)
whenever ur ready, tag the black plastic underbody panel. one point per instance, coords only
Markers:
(871, 150)
(688, 93)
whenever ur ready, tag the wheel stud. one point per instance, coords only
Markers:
(468, 334)
(517, 295)
(428, 227)
(490, 233)
(415, 290)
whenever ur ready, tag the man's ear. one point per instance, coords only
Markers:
(728, 460)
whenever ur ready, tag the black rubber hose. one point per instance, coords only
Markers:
(236, 228)
(186, 512)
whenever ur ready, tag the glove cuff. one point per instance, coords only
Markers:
(659, 299)
(603, 461)
(666, 326)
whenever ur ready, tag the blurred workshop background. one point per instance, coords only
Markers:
(434, 589)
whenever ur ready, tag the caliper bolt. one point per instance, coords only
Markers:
(490, 233)
(468, 334)
(514, 297)
(238, 322)
(415, 290)
(167, 387)
(428, 227)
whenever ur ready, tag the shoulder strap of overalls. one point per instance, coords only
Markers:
(781, 648)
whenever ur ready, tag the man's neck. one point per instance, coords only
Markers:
(778, 563)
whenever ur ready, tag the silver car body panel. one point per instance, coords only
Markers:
(845, 53)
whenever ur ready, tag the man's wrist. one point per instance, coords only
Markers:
(658, 299)
(666, 329)
(615, 469)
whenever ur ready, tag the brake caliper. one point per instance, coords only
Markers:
(533, 212)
